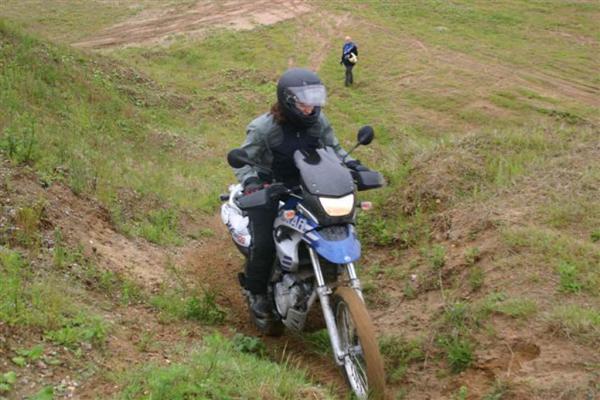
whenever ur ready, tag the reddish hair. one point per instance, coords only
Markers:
(277, 113)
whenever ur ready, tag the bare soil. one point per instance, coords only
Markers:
(163, 25)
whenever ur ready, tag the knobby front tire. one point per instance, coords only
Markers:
(364, 366)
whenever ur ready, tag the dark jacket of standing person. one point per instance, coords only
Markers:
(347, 51)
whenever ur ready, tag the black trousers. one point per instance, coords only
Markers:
(262, 249)
(349, 78)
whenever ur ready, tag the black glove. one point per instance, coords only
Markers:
(252, 185)
(355, 165)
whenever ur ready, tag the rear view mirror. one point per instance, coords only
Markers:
(238, 158)
(365, 135)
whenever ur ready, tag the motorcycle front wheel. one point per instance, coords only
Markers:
(363, 365)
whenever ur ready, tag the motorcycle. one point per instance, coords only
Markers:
(316, 247)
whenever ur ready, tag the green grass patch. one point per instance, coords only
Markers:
(575, 261)
(435, 256)
(576, 322)
(219, 370)
(399, 353)
(458, 352)
(160, 227)
(476, 278)
(501, 303)
(47, 304)
(318, 341)
(200, 306)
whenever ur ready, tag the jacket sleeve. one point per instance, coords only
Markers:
(255, 147)
(329, 139)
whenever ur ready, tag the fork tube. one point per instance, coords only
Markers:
(324, 292)
(354, 281)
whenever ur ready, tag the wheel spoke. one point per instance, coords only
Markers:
(361, 364)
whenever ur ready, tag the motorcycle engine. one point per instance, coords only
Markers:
(291, 292)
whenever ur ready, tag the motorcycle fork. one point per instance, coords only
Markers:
(324, 293)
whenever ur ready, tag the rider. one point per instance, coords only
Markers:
(295, 122)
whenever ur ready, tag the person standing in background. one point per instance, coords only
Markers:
(349, 59)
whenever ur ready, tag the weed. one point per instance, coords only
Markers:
(575, 322)
(435, 255)
(377, 230)
(517, 308)
(160, 227)
(82, 328)
(12, 292)
(462, 394)
(318, 341)
(399, 353)
(7, 380)
(577, 260)
(249, 344)
(569, 278)
(145, 341)
(409, 290)
(595, 236)
(46, 393)
(498, 392)
(130, 292)
(33, 354)
(476, 278)
(178, 304)
(204, 309)
(459, 352)
(374, 296)
(471, 256)
(19, 140)
(458, 317)
(210, 371)
(27, 221)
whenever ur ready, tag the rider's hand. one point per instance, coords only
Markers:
(355, 165)
(252, 185)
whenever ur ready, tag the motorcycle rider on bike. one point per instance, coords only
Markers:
(295, 122)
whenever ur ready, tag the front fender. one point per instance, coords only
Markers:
(337, 244)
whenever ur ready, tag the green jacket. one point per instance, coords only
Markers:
(263, 134)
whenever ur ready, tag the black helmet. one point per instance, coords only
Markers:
(300, 85)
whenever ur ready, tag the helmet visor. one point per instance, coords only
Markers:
(312, 95)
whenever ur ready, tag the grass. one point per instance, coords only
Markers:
(459, 352)
(454, 335)
(160, 227)
(501, 303)
(575, 322)
(318, 341)
(399, 353)
(476, 278)
(183, 304)
(37, 302)
(209, 372)
(575, 261)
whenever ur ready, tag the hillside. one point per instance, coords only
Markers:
(482, 255)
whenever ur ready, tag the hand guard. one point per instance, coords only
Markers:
(355, 165)
(252, 185)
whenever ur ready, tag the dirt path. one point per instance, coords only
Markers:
(162, 25)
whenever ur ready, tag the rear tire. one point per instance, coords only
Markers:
(364, 367)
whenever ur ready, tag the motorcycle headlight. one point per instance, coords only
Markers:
(337, 207)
